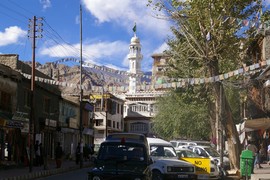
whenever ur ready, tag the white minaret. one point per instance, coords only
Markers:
(135, 58)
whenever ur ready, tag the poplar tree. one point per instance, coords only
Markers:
(211, 38)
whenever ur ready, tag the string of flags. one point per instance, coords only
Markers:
(255, 22)
(102, 68)
(182, 82)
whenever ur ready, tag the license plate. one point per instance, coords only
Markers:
(182, 176)
(203, 176)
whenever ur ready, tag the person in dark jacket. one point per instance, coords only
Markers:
(78, 153)
(58, 155)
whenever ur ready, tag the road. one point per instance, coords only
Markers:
(76, 174)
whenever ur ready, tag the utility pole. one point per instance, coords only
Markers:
(221, 124)
(81, 91)
(32, 121)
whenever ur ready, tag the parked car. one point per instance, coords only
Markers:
(211, 153)
(215, 173)
(179, 143)
(123, 156)
(186, 143)
(166, 164)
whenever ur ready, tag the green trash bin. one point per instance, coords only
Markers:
(246, 163)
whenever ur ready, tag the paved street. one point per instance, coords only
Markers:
(67, 166)
(37, 172)
(71, 175)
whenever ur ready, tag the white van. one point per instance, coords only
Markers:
(166, 164)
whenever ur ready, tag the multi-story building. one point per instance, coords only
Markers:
(12, 121)
(160, 64)
(108, 115)
(139, 105)
(43, 113)
(50, 123)
(69, 119)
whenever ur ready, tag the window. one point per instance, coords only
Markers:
(27, 98)
(113, 124)
(109, 123)
(99, 122)
(98, 105)
(5, 101)
(139, 127)
(46, 105)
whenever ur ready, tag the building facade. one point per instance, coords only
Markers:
(108, 115)
(140, 106)
(43, 113)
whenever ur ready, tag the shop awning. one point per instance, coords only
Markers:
(7, 121)
(256, 124)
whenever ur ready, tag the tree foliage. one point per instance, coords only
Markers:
(210, 38)
(182, 115)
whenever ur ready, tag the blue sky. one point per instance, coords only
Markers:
(107, 30)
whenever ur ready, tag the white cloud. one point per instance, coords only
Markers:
(77, 19)
(125, 61)
(11, 35)
(267, 2)
(96, 51)
(45, 3)
(162, 48)
(115, 67)
(125, 13)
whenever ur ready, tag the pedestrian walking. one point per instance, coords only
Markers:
(268, 154)
(41, 158)
(78, 153)
(58, 155)
(37, 153)
(258, 158)
(254, 150)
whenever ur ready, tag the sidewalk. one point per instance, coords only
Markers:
(22, 173)
(259, 174)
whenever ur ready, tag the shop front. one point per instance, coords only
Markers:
(257, 130)
(13, 140)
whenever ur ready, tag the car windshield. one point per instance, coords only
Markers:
(163, 151)
(212, 152)
(173, 143)
(203, 143)
(122, 152)
(186, 153)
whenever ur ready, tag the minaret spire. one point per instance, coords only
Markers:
(135, 58)
(134, 29)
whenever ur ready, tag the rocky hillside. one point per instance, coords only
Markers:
(90, 76)
(71, 74)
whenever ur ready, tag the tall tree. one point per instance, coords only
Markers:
(182, 114)
(210, 38)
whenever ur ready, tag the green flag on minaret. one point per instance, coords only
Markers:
(134, 28)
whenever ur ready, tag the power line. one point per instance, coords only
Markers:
(26, 10)
(12, 10)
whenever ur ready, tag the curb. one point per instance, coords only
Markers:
(44, 173)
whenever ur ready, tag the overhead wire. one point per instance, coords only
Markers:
(26, 10)
(53, 36)
(12, 10)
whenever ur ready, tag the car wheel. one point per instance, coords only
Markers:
(157, 175)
